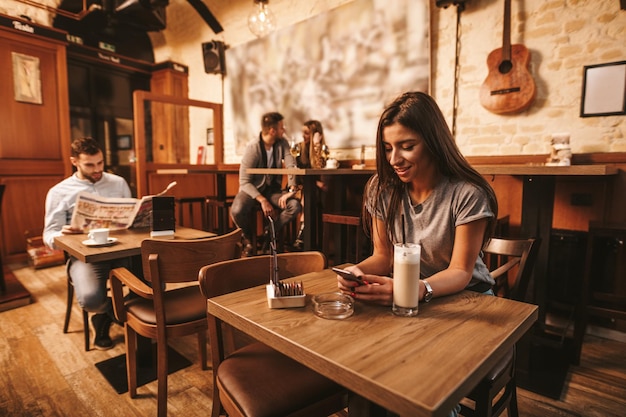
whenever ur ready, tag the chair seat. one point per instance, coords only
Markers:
(503, 366)
(182, 305)
(267, 383)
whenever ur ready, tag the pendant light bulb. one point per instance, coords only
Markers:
(261, 21)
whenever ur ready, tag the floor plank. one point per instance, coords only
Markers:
(48, 373)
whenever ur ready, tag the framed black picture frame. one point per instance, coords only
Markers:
(604, 90)
(124, 142)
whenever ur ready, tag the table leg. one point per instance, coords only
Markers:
(220, 182)
(310, 214)
(362, 407)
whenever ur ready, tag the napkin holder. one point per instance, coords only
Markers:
(288, 301)
(281, 294)
(163, 219)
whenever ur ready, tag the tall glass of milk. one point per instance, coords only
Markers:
(406, 278)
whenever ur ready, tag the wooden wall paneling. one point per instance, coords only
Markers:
(35, 131)
(187, 185)
(232, 184)
(35, 138)
(508, 191)
(23, 209)
(578, 201)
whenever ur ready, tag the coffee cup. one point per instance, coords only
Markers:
(332, 163)
(99, 236)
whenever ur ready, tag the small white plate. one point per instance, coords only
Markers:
(91, 242)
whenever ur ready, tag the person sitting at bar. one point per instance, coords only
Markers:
(89, 279)
(269, 151)
(424, 192)
(312, 154)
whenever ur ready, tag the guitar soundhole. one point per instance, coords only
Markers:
(505, 67)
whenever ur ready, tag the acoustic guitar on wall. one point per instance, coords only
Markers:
(509, 86)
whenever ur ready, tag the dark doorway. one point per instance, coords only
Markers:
(109, 56)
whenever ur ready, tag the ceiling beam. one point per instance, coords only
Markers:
(206, 14)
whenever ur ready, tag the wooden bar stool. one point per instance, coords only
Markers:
(347, 219)
(196, 212)
(218, 214)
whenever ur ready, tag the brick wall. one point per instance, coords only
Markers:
(562, 36)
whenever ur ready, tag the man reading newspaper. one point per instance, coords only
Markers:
(89, 279)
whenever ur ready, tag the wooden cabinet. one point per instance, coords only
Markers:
(35, 130)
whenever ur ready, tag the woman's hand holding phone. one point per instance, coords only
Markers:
(347, 275)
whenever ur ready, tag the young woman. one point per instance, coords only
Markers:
(311, 156)
(447, 206)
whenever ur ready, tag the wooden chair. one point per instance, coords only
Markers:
(515, 259)
(342, 249)
(218, 213)
(255, 380)
(195, 214)
(160, 313)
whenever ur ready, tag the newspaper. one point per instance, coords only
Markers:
(93, 211)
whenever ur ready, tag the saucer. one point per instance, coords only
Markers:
(91, 242)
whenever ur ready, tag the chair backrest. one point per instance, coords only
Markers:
(238, 274)
(511, 255)
(180, 260)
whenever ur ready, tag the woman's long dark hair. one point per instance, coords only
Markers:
(419, 112)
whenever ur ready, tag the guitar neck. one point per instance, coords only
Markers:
(506, 33)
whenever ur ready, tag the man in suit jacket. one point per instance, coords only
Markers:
(269, 151)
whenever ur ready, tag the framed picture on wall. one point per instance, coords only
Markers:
(26, 78)
(604, 90)
(124, 142)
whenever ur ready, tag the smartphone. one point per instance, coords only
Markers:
(349, 276)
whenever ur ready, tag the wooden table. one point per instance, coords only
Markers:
(311, 217)
(420, 366)
(128, 243)
(537, 210)
(127, 246)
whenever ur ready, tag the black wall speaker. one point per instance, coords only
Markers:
(213, 53)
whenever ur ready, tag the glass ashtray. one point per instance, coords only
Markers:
(333, 305)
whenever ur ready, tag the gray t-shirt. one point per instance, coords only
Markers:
(433, 222)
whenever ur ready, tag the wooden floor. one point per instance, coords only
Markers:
(48, 373)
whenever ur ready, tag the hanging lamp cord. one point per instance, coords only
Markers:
(459, 8)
